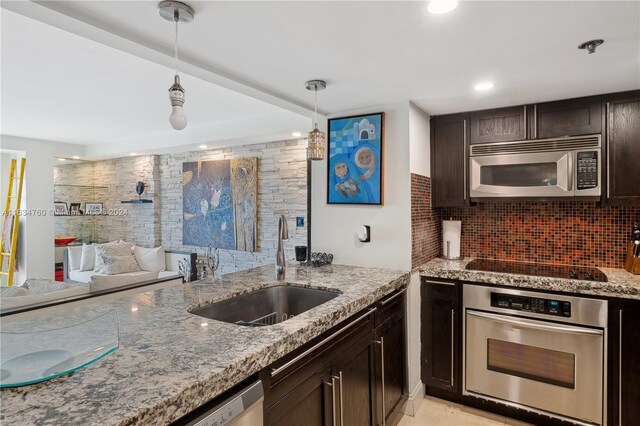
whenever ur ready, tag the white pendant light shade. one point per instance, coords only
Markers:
(177, 119)
(177, 12)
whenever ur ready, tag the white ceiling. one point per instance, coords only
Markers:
(370, 53)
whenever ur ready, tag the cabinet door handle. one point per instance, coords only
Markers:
(464, 166)
(339, 377)
(384, 413)
(526, 121)
(333, 399)
(620, 370)
(608, 123)
(453, 317)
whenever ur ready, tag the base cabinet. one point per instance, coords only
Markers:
(353, 375)
(624, 323)
(310, 405)
(441, 335)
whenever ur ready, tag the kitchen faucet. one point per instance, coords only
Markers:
(283, 234)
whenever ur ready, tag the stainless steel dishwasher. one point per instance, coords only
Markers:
(240, 406)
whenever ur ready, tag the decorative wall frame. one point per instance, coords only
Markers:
(355, 173)
(219, 202)
(93, 208)
(60, 208)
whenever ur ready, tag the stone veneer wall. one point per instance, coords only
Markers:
(110, 182)
(282, 189)
(426, 229)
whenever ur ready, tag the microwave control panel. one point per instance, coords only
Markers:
(587, 173)
(531, 304)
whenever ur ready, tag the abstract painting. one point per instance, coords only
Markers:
(354, 173)
(220, 203)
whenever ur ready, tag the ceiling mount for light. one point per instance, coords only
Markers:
(591, 45)
(315, 150)
(176, 12)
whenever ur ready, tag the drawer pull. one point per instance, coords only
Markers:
(275, 371)
(392, 298)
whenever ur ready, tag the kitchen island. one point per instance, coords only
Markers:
(170, 361)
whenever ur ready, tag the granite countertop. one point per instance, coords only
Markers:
(169, 362)
(620, 282)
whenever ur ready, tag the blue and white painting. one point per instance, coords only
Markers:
(219, 203)
(355, 159)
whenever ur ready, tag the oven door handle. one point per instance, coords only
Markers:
(536, 324)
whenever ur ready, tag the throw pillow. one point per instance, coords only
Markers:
(13, 291)
(114, 265)
(43, 286)
(150, 259)
(87, 258)
(74, 257)
(114, 248)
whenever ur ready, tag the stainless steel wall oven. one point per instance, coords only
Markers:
(543, 352)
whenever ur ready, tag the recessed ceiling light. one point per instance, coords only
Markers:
(441, 6)
(76, 157)
(204, 324)
(483, 86)
(62, 159)
(203, 147)
(133, 153)
(296, 134)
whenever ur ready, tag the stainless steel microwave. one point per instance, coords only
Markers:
(564, 167)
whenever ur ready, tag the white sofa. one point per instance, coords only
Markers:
(172, 258)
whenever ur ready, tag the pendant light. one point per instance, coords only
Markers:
(315, 149)
(176, 12)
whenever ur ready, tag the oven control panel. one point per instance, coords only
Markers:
(531, 304)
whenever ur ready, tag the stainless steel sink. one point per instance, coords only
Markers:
(266, 306)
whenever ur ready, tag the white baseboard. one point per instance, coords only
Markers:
(415, 399)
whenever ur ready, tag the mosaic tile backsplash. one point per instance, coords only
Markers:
(563, 232)
(425, 222)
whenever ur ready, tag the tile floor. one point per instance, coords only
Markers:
(438, 412)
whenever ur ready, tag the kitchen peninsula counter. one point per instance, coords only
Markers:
(170, 361)
(620, 283)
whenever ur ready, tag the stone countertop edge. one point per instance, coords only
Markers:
(156, 377)
(620, 284)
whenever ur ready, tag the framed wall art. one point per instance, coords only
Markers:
(355, 168)
(220, 203)
(93, 208)
(60, 208)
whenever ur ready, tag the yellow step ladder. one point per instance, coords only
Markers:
(11, 218)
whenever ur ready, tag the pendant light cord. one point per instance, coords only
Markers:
(315, 108)
(176, 18)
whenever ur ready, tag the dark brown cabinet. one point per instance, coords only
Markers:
(310, 405)
(440, 335)
(449, 137)
(623, 146)
(573, 117)
(498, 125)
(624, 322)
(390, 371)
(352, 375)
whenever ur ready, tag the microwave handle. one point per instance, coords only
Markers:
(570, 177)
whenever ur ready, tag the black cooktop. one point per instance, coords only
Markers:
(539, 269)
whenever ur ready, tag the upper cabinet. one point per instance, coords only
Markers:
(623, 146)
(498, 125)
(573, 117)
(449, 140)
